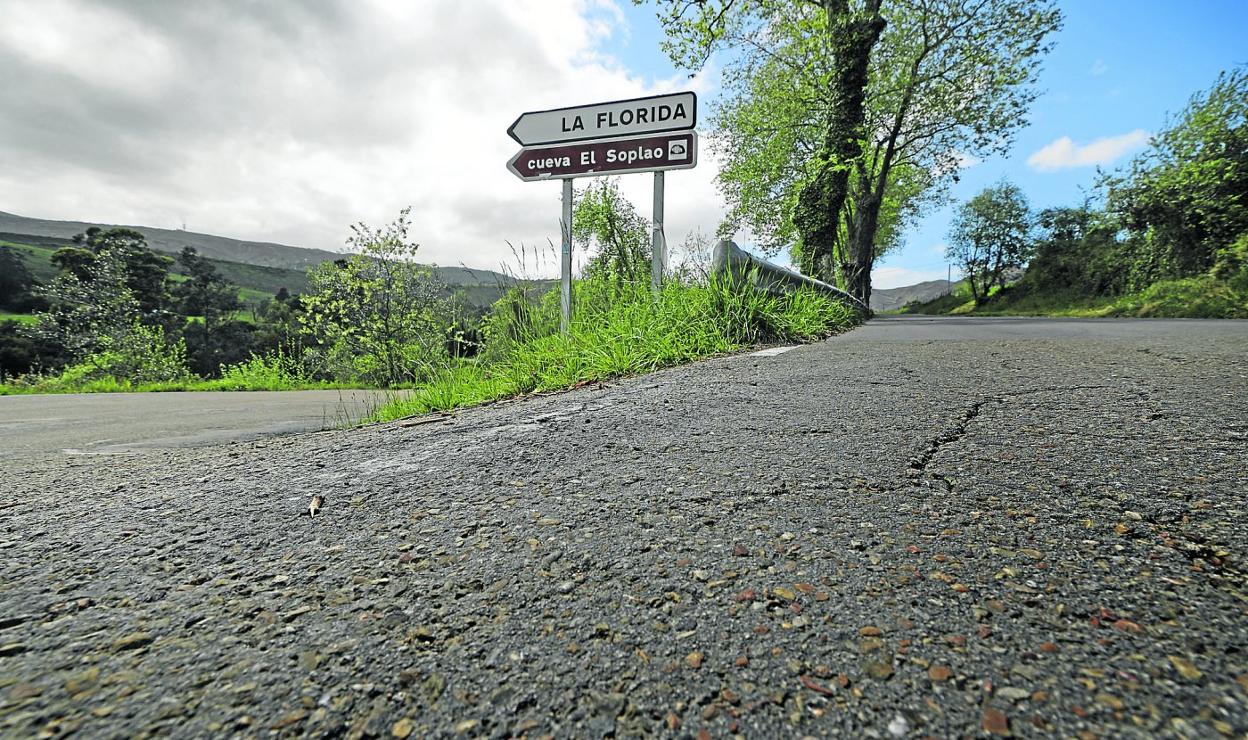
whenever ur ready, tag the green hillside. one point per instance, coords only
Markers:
(257, 282)
(222, 250)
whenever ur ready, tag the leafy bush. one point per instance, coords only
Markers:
(142, 356)
(273, 372)
(1232, 263)
(1203, 297)
(377, 317)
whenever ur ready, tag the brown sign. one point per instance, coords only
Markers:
(674, 151)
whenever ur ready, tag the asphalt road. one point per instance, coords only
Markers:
(921, 528)
(104, 423)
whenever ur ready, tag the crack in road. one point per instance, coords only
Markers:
(918, 465)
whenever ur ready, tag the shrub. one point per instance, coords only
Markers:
(273, 372)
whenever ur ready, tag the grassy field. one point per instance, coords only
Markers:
(21, 318)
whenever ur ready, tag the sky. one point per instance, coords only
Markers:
(288, 122)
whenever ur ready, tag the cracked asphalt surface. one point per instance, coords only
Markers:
(925, 527)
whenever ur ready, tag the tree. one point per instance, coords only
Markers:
(1078, 253)
(1184, 202)
(775, 40)
(947, 79)
(378, 316)
(990, 234)
(16, 282)
(147, 273)
(75, 260)
(606, 224)
(91, 311)
(210, 302)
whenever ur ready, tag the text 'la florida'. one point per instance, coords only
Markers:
(609, 119)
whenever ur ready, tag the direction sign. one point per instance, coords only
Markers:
(672, 151)
(674, 112)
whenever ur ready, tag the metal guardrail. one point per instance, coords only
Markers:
(732, 260)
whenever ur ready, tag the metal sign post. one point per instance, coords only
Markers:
(651, 134)
(658, 242)
(565, 261)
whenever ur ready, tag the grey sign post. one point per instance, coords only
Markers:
(658, 240)
(565, 261)
(653, 134)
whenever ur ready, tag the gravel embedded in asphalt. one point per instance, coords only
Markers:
(919, 528)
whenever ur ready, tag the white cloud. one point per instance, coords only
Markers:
(288, 122)
(898, 277)
(966, 161)
(1064, 153)
(1099, 67)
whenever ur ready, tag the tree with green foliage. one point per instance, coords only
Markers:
(94, 321)
(378, 316)
(75, 260)
(90, 308)
(945, 80)
(606, 225)
(147, 273)
(949, 80)
(991, 233)
(16, 282)
(22, 351)
(210, 304)
(1184, 202)
(774, 43)
(277, 327)
(1077, 254)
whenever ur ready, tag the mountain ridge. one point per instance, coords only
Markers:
(888, 299)
(171, 241)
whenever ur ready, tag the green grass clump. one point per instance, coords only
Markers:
(21, 318)
(625, 330)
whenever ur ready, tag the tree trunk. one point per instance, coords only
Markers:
(821, 204)
(862, 245)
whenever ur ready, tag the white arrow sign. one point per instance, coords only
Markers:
(675, 112)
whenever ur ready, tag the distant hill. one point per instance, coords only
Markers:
(171, 241)
(256, 281)
(259, 267)
(888, 299)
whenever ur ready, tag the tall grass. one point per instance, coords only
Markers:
(623, 331)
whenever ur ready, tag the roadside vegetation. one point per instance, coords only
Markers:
(621, 330)
(112, 320)
(1165, 237)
